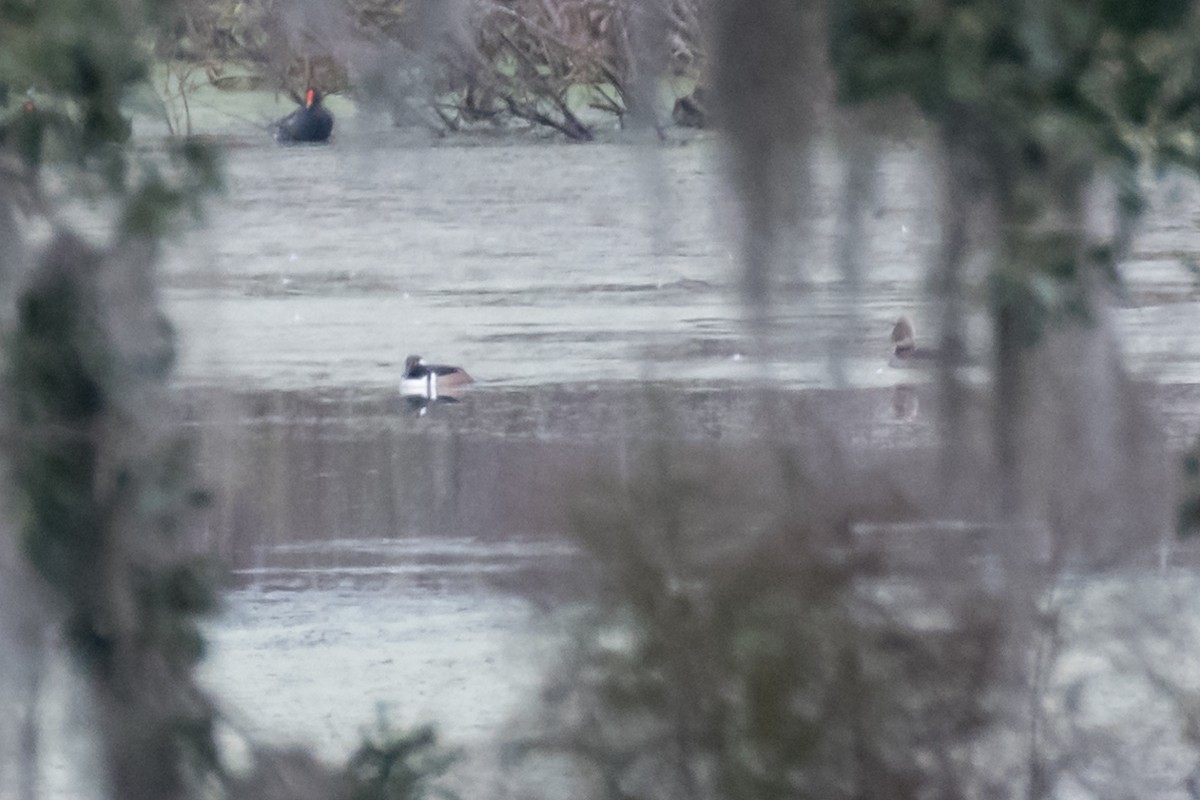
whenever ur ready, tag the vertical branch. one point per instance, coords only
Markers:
(962, 184)
(29, 724)
(770, 61)
(858, 188)
(23, 619)
(105, 485)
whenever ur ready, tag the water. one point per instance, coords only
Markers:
(384, 557)
(532, 263)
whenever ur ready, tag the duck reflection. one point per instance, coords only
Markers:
(421, 405)
(905, 403)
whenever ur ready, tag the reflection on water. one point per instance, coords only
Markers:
(535, 265)
(317, 466)
(389, 551)
(422, 405)
(528, 265)
(379, 556)
(414, 552)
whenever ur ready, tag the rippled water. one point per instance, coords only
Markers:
(532, 263)
(382, 556)
(549, 263)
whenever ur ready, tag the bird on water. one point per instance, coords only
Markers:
(422, 379)
(905, 353)
(311, 123)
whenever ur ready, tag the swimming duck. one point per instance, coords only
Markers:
(312, 123)
(432, 381)
(906, 354)
(23, 132)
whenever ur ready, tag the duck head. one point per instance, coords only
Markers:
(902, 335)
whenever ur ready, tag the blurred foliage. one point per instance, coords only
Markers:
(102, 488)
(528, 56)
(744, 648)
(391, 764)
(1116, 80)
(102, 501)
(538, 61)
(1188, 519)
(242, 44)
(65, 81)
(1043, 110)
(68, 377)
(102, 478)
(67, 65)
(1047, 96)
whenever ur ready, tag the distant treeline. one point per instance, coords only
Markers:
(477, 62)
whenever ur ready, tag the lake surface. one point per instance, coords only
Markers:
(385, 557)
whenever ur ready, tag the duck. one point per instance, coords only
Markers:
(23, 132)
(905, 353)
(432, 381)
(312, 123)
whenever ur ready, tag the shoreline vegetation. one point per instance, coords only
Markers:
(739, 646)
(236, 114)
(569, 66)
